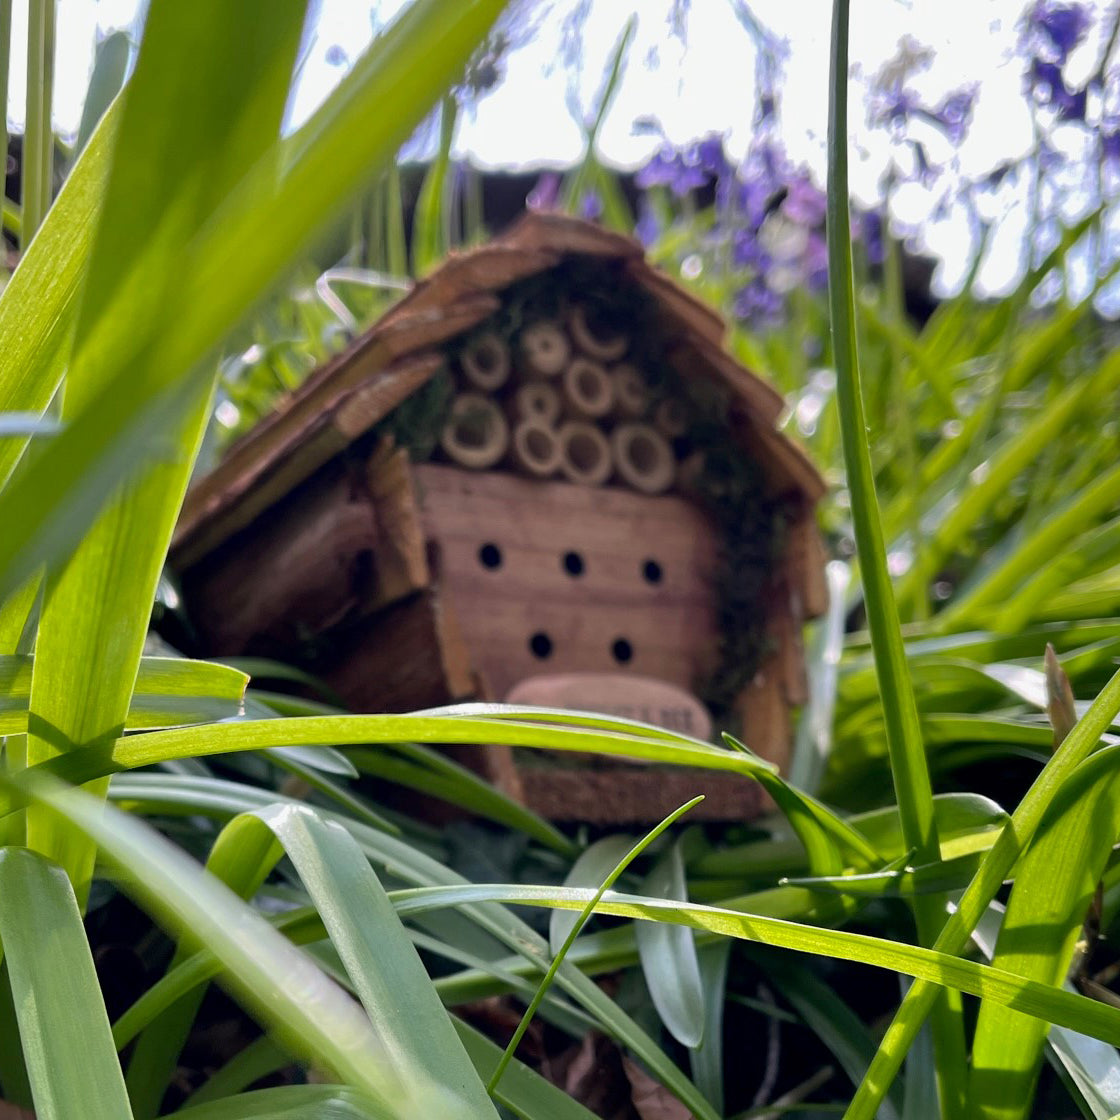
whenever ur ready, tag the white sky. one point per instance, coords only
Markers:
(706, 86)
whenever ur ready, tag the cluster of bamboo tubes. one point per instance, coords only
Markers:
(562, 401)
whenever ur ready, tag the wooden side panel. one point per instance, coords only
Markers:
(551, 577)
(764, 716)
(407, 657)
(401, 563)
(807, 556)
(303, 568)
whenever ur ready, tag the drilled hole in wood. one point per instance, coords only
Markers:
(651, 571)
(540, 645)
(490, 556)
(622, 650)
(573, 563)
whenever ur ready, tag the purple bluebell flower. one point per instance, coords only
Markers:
(546, 193)
(804, 202)
(756, 303)
(871, 233)
(336, 55)
(767, 107)
(707, 154)
(954, 113)
(668, 169)
(925, 172)
(816, 262)
(747, 252)
(591, 206)
(1049, 87)
(895, 107)
(1110, 144)
(647, 228)
(1063, 25)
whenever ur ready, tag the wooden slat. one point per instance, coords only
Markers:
(401, 562)
(680, 312)
(806, 557)
(409, 656)
(763, 715)
(306, 566)
(786, 467)
(474, 272)
(558, 233)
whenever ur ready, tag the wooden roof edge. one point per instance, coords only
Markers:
(276, 434)
(211, 516)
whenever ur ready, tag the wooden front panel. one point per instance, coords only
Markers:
(552, 577)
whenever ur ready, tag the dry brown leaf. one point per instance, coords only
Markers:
(651, 1099)
(10, 1112)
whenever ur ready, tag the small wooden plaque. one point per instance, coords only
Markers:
(617, 694)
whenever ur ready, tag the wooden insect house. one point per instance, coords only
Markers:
(538, 478)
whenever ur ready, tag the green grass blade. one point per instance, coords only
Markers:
(908, 764)
(64, 1029)
(169, 692)
(110, 62)
(431, 223)
(382, 964)
(292, 1102)
(573, 933)
(997, 865)
(241, 858)
(187, 134)
(38, 308)
(522, 1090)
(1028, 996)
(405, 863)
(669, 959)
(309, 1015)
(1054, 885)
(37, 162)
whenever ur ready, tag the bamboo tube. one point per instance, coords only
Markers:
(631, 394)
(485, 362)
(585, 454)
(476, 435)
(535, 449)
(643, 458)
(604, 348)
(587, 390)
(670, 418)
(545, 348)
(535, 400)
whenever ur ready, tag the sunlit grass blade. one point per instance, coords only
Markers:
(188, 133)
(937, 968)
(1054, 884)
(431, 223)
(63, 1027)
(997, 865)
(382, 964)
(169, 692)
(594, 864)
(38, 309)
